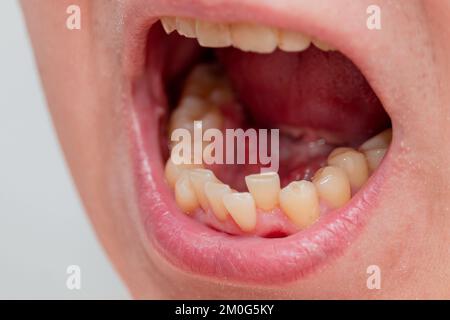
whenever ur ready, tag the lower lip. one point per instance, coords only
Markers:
(196, 248)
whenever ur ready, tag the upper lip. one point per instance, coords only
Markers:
(192, 246)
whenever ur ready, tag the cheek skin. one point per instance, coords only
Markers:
(408, 235)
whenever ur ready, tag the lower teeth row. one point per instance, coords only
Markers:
(197, 188)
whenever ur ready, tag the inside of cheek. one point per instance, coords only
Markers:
(318, 100)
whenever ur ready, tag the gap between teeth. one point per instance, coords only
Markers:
(244, 36)
(196, 188)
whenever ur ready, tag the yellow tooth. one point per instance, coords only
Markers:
(213, 35)
(198, 179)
(190, 108)
(221, 95)
(354, 164)
(185, 195)
(203, 79)
(322, 45)
(242, 209)
(212, 120)
(291, 41)
(300, 202)
(264, 188)
(332, 186)
(254, 38)
(339, 151)
(380, 141)
(173, 171)
(214, 193)
(169, 24)
(186, 27)
(374, 157)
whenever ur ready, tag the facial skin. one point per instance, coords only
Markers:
(407, 235)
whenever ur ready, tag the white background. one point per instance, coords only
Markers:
(42, 225)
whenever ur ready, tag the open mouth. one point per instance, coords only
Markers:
(229, 221)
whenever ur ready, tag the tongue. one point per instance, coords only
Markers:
(313, 90)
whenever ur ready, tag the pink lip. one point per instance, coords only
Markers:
(196, 248)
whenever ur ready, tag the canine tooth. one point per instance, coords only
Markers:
(213, 35)
(186, 27)
(198, 179)
(185, 194)
(322, 45)
(374, 157)
(214, 193)
(380, 141)
(291, 41)
(354, 164)
(169, 24)
(254, 38)
(300, 202)
(242, 209)
(265, 188)
(332, 186)
(173, 171)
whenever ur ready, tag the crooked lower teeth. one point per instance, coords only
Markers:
(199, 190)
(244, 36)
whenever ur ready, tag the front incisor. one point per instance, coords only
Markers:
(214, 192)
(354, 164)
(332, 186)
(242, 209)
(185, 195)
(264, 188)
(254, 38)
(300, 202)
(199, 177)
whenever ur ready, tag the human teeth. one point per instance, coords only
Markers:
(354, 164)
(254, 38)
(169, 24)
(185, 195)
(264, 188)
(198, 179)
(291, 41)
(332, 186)
(213, 35)
(186, 27)
(300, 202)
(214, 193)
(173, 171)
(374, 157)
(322, 45)
(242, 209)
(380, 141)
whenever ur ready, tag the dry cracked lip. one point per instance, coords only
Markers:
(196, 248)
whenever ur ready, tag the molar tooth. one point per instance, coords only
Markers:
(300, 202)
(354, 164)
(169, 24)
(291, 41)
(185, 194)
(214, 193)
(254, 38)
(242, 209)
(264, 188)
(173, 171)
(322, 45)
(198, 179)
(380, 141)
(374, 157)
(186, 27)
(332, 186)
(213, 35)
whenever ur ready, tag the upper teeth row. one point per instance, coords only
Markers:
(244, 36)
